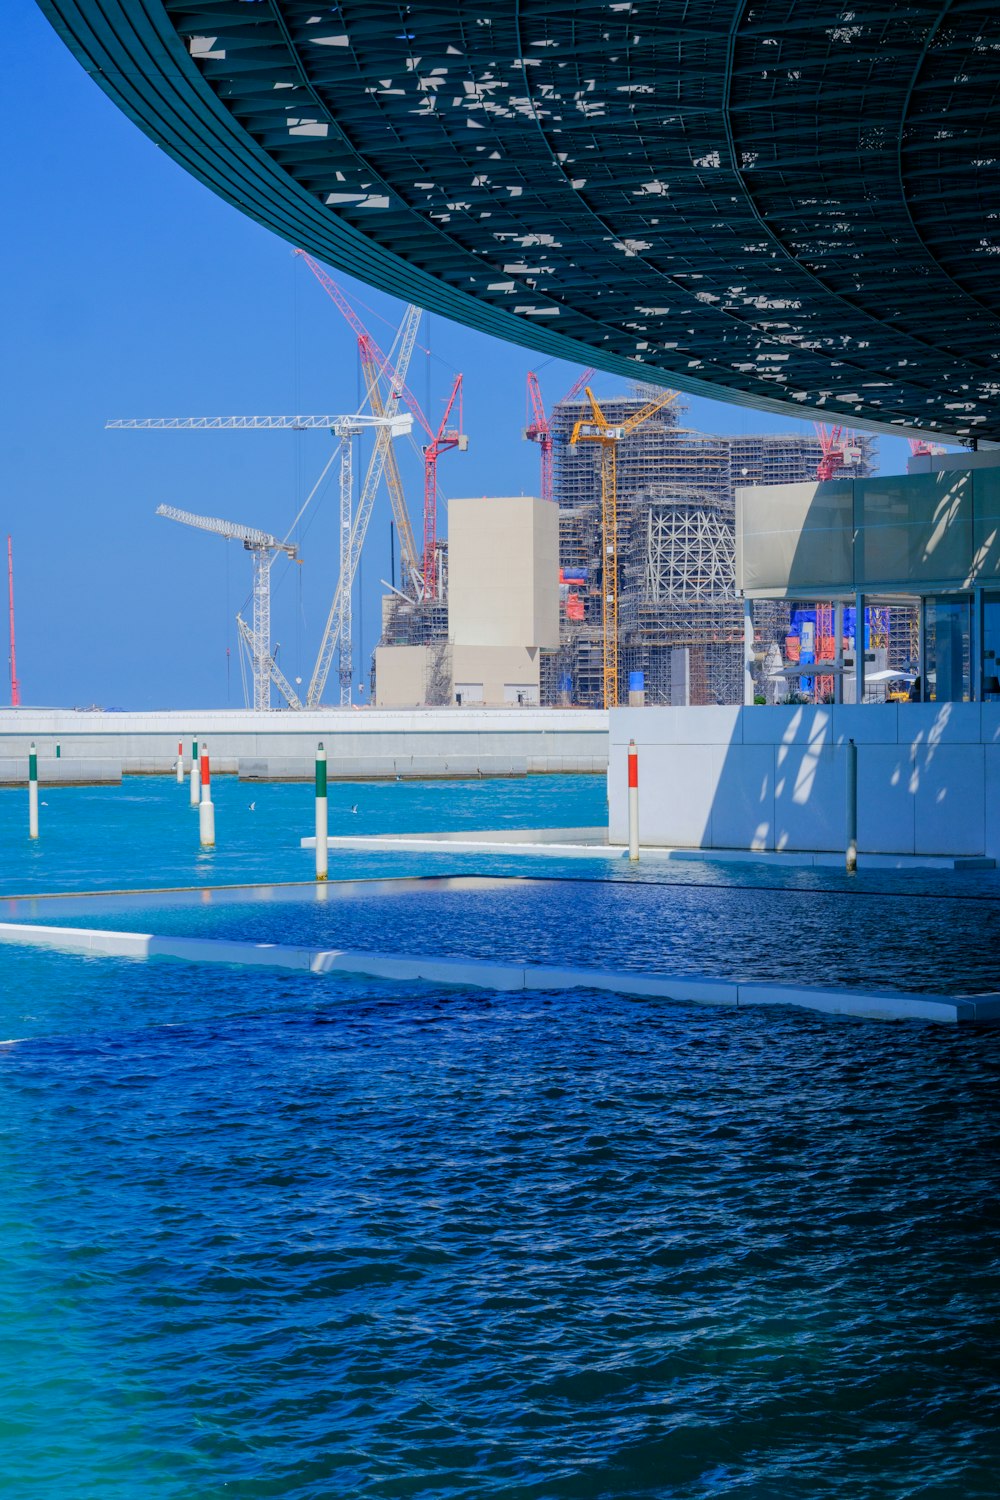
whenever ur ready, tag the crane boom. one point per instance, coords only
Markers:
(333, 291)
(231, 530)
(404, 529)
(239, 424)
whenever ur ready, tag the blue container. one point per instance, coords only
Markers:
(637, 682)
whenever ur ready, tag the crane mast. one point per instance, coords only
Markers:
(539, 429)
(432, 449)
(599, 430)
(443, 440)
(15, 685)
(338, 632)
(263, 547)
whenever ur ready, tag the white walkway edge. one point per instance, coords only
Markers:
(795, 858)
(482, 974)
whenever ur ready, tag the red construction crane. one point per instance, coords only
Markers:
(445, 438)
(922, 448)
(833, 443)
(15, 686)
(539, 431)
(440, 441)
(334, 292)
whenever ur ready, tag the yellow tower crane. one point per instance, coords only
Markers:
(597, 429)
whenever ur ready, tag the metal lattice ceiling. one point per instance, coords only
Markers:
(785, 203)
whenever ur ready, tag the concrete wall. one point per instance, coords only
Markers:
(401, 676)
(503, 572)
(359, 742)
(774, 778)
(496, 673)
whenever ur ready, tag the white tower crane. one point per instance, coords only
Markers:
(338, 632)
(263, 548)
(390, 423)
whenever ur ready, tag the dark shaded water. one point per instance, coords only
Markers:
(792, 936)
(258, 1238)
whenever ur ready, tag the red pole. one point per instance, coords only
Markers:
(15, 686)
(206, 790)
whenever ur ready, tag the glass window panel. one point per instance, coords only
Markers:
(986, 522)
(795, 536)
(915, 528)
(947, 649)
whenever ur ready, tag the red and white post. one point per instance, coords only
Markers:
(180, 762)
(633, 801)
(206, 809)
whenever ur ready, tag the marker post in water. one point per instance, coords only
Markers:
(206, 808)
(322, 818)
(852, 808)
(180, 763)
(33, 792)
(195, 775)
(633, 801)
(58, 750)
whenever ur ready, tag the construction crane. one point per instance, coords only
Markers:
(263, 548)
(338, 632)
(539, 430)
(442, 441)
(439, 442)
(239, 424)
(409, 559)
(15, 685)
(344, 429)
(923, 448)
(597, 429)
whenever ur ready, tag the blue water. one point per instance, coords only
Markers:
(265, 1236)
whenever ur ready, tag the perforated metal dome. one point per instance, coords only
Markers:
(784, 203)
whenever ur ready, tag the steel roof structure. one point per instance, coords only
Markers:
(793, 204)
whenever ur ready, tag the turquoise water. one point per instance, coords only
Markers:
(265, 1236)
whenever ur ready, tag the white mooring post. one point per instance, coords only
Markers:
(33, 792)
(852, 807)
(633, 801)
(180, 763)
(195, 775)
(322, 821)
(206, 808)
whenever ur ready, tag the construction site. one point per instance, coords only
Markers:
(638, 571)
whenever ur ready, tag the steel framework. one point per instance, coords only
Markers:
(788, 205)
(263, 547)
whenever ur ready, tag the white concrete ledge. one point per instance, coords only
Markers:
(484, 974)
(568, 844)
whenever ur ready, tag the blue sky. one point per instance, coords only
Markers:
(131, 290)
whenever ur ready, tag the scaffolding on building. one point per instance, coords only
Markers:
(681, 621)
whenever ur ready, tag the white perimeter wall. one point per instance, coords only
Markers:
(356, 740)
(766, 777)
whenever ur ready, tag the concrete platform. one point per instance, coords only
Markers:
(592, 843)
(64, 770)
(482, 974)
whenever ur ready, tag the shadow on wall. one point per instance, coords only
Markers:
(760, 778)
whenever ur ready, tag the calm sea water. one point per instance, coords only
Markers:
(264, 1236)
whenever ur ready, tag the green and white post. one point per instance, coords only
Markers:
(33, 792)
(851, 781)
(206, 807)
(322, 821)
(195, 775)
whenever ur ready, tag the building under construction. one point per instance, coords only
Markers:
(680, 621)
